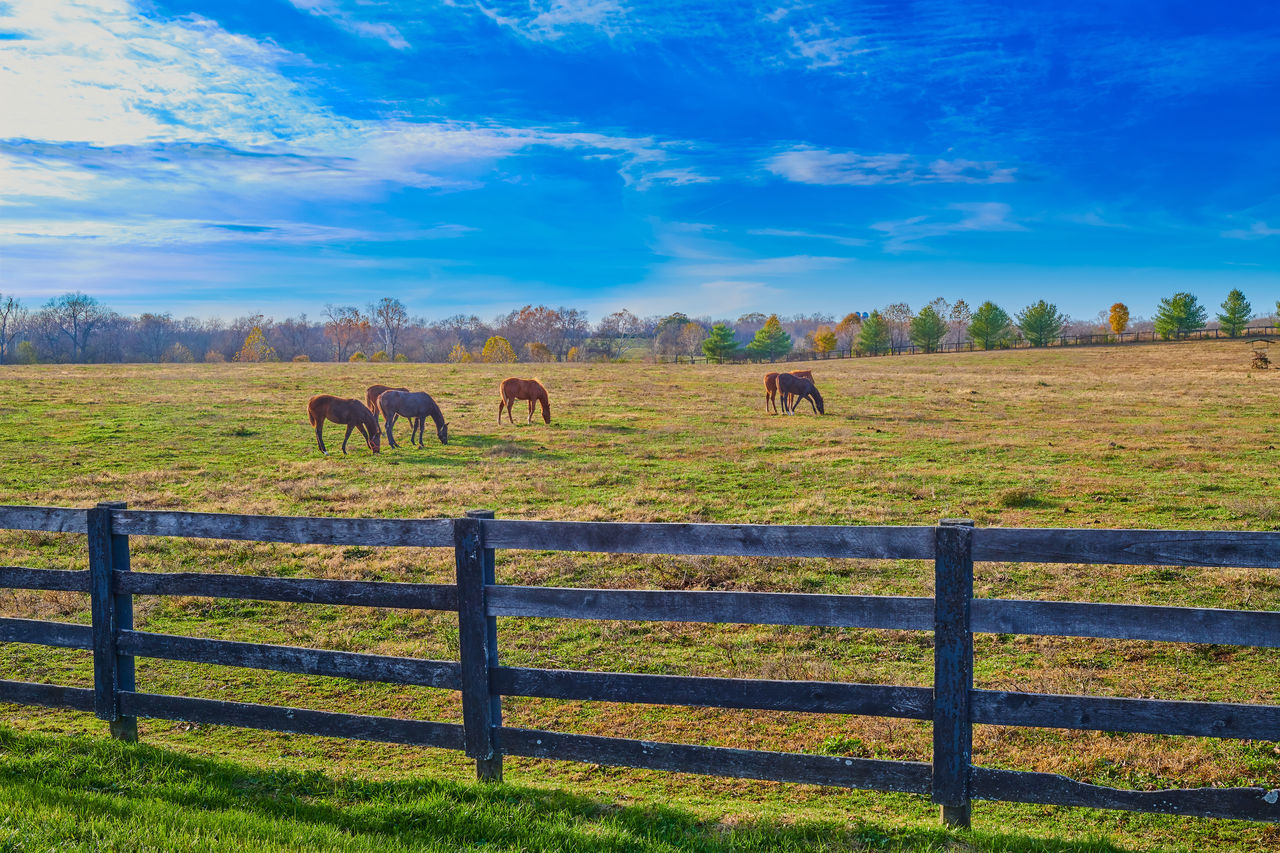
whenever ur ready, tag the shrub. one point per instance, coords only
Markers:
(497, 350)
(460, 355)
(401, 357)
(26, 353)
(358, 356)
(303, 357)
(214, 357)
(177, 354)
(380, 355)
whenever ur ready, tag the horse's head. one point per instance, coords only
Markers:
(546, 410)
(442, 432)
(375, 439)
(817, 399)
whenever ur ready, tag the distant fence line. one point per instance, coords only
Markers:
(952, 614)
(1098, 339)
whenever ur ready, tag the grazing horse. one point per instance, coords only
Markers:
(373, 393)
(794, 388)
(771, 388)
(417, 406)
(353, 413)
(523, 389)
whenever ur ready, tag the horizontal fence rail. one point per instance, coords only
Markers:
(952, 704)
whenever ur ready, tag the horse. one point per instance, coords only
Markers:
(373, 393)
(416, 406)
(523, 389)
(771, 388)
(799, 388)
(351, 412)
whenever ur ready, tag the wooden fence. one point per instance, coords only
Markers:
(953, 615)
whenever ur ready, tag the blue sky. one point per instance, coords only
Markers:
(714, 158)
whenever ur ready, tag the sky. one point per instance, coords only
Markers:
(715, 158)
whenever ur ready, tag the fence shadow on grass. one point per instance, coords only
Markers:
(108, 783)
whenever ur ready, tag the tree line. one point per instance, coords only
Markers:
(76, 327)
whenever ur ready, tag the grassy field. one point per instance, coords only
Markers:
(1180, 436)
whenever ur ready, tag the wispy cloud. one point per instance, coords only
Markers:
(809, 165)
(1256, 231)
(904, 235)
(542, 21)
(808, 235)
(155, 231)
(353, 22)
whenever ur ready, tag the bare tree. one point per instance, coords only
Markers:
(346, 328)
(389, 318)
(959, 318)
(12, 317)
(154, 334)
(899, 316)
(75, 317)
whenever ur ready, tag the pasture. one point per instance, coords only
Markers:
(1178, 436)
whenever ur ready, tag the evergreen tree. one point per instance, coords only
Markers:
(771, 342)
(720, 343)
(928, 328)
(1236, 311)
(874, 337)
(1040, 323)
(1178, 315)
(990, 325)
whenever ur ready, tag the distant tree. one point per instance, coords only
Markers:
(389, 317)
(1040, 323)
(1235, 315)
(76, 317)
(255, 348)
(380, 355)
(771, 342)
(12, 316)
(178, 354)
(1118, 319)
(898, 315)
(847, 330)
(214, 356)
(460, 355)
(26, 353)
(346, 328)
(824, 339)
(666, 337)
(874, 338)
(691, 337)
(928, 328)
(538, 351)
(497, 350)
(720, 343)
(958, 319)
(613, 331)
(358, 356)
(990, 325)
(154, 332)
(1178, 315)
(574, 354)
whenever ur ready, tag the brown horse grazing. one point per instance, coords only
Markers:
(794, 388)
(771, 388)
(417, 406)
(353, 413)
(523, 389)
(373, 393)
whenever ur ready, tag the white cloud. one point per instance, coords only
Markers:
(903, 235)
(552, 20)
(346, 20)
(808, 235)
(1256, 231)
(148, 231)
(808, 165)
(822, 45)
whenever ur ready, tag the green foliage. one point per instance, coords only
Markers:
(990, 325)
(358, 356)
(1179, 315)
(720, 343)
(771, 342)
(928, 328)
(1236, 311)
(874, 337)
(26, 353)
(1040, 323)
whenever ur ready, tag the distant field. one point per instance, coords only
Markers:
(1179, 436)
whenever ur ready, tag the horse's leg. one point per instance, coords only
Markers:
(350, 427)
(501, 403)
(391, 439)
(532, 402)
(510, 404)
(813, 404)
(320, 435)
(418, 425)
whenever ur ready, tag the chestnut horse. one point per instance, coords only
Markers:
(417, 406)
(771, 387)
(523, 389)
(795, 388)
(371, 398)
(353, 413)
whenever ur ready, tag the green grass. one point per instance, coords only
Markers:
(1179, 436)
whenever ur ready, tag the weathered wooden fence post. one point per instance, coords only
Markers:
(477, 646)
(952, 669)
(112, 672)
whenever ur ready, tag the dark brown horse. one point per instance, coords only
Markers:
(523, 389)
(353, 413)
(373, 393)
(417, 406)
(795, 388)
(771, 388)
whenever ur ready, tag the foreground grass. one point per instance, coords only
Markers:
(1179, 436)
(78, 794)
